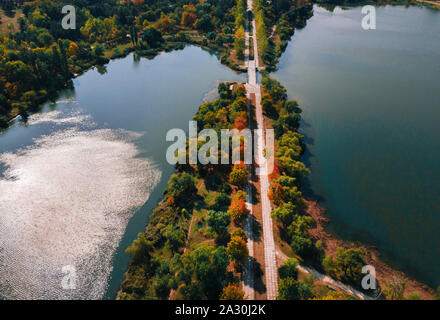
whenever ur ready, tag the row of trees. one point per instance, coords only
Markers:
(159, 263)
(240, 26)
(285, 193)
(281, 16)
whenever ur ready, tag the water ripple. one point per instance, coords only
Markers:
(66, 200)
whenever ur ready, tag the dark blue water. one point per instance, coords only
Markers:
(371, 102)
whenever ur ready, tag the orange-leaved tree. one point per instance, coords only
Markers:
(237, 250)
(239, 175)
(238, 210)
(232, 292)
(276, 193)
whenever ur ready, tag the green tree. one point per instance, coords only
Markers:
(152, 37)
(288, 289)
(289, 269)
(182, 188)
(203, 271)
(285, 213)
(218, 221)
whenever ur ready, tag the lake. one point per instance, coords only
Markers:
(79, 181)
(371, 109)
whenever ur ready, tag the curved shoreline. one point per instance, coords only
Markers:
(384, 271)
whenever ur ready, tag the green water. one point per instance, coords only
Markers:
(371, 102)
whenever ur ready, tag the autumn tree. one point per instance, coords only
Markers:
(137, 3)
(240, 194)
(239, 175)
(188, 19)
(238, 211)
(276, 193)
(237, 250)
(239, 232)
(73, 49)
(232, 292)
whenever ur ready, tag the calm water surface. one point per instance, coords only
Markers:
(74, 182)
(371, 102)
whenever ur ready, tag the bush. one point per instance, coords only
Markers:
(289, 269)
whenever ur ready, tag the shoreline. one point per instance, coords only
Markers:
(384, 271)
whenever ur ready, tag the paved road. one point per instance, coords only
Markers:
(269, 243)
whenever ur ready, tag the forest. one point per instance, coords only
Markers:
(38, 57)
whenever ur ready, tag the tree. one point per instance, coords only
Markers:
(285, 213)
(437, 293)
(240, 123)
(164, 280)
(347, 265)
(153, 37)
(288, 289)
(289, 269)
(181, 187)
(73, 49)
(98, 51)
(218, 221)
(141, 248)
(188, 19)
(238, 210)
(203, 271)
(175, 238)
(204, 24)
(239, 232)
(237, 250)
(232, 292)
(276, 193)
(240, 194)
(302, 245)
(239, 175)
(395, 288)
(292, 168)
(222, 202)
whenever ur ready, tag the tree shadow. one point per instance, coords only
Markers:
(256, 230)
(258, 277)
(255, 194)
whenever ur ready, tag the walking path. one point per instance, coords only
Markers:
(269, 244)
(324, 278)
